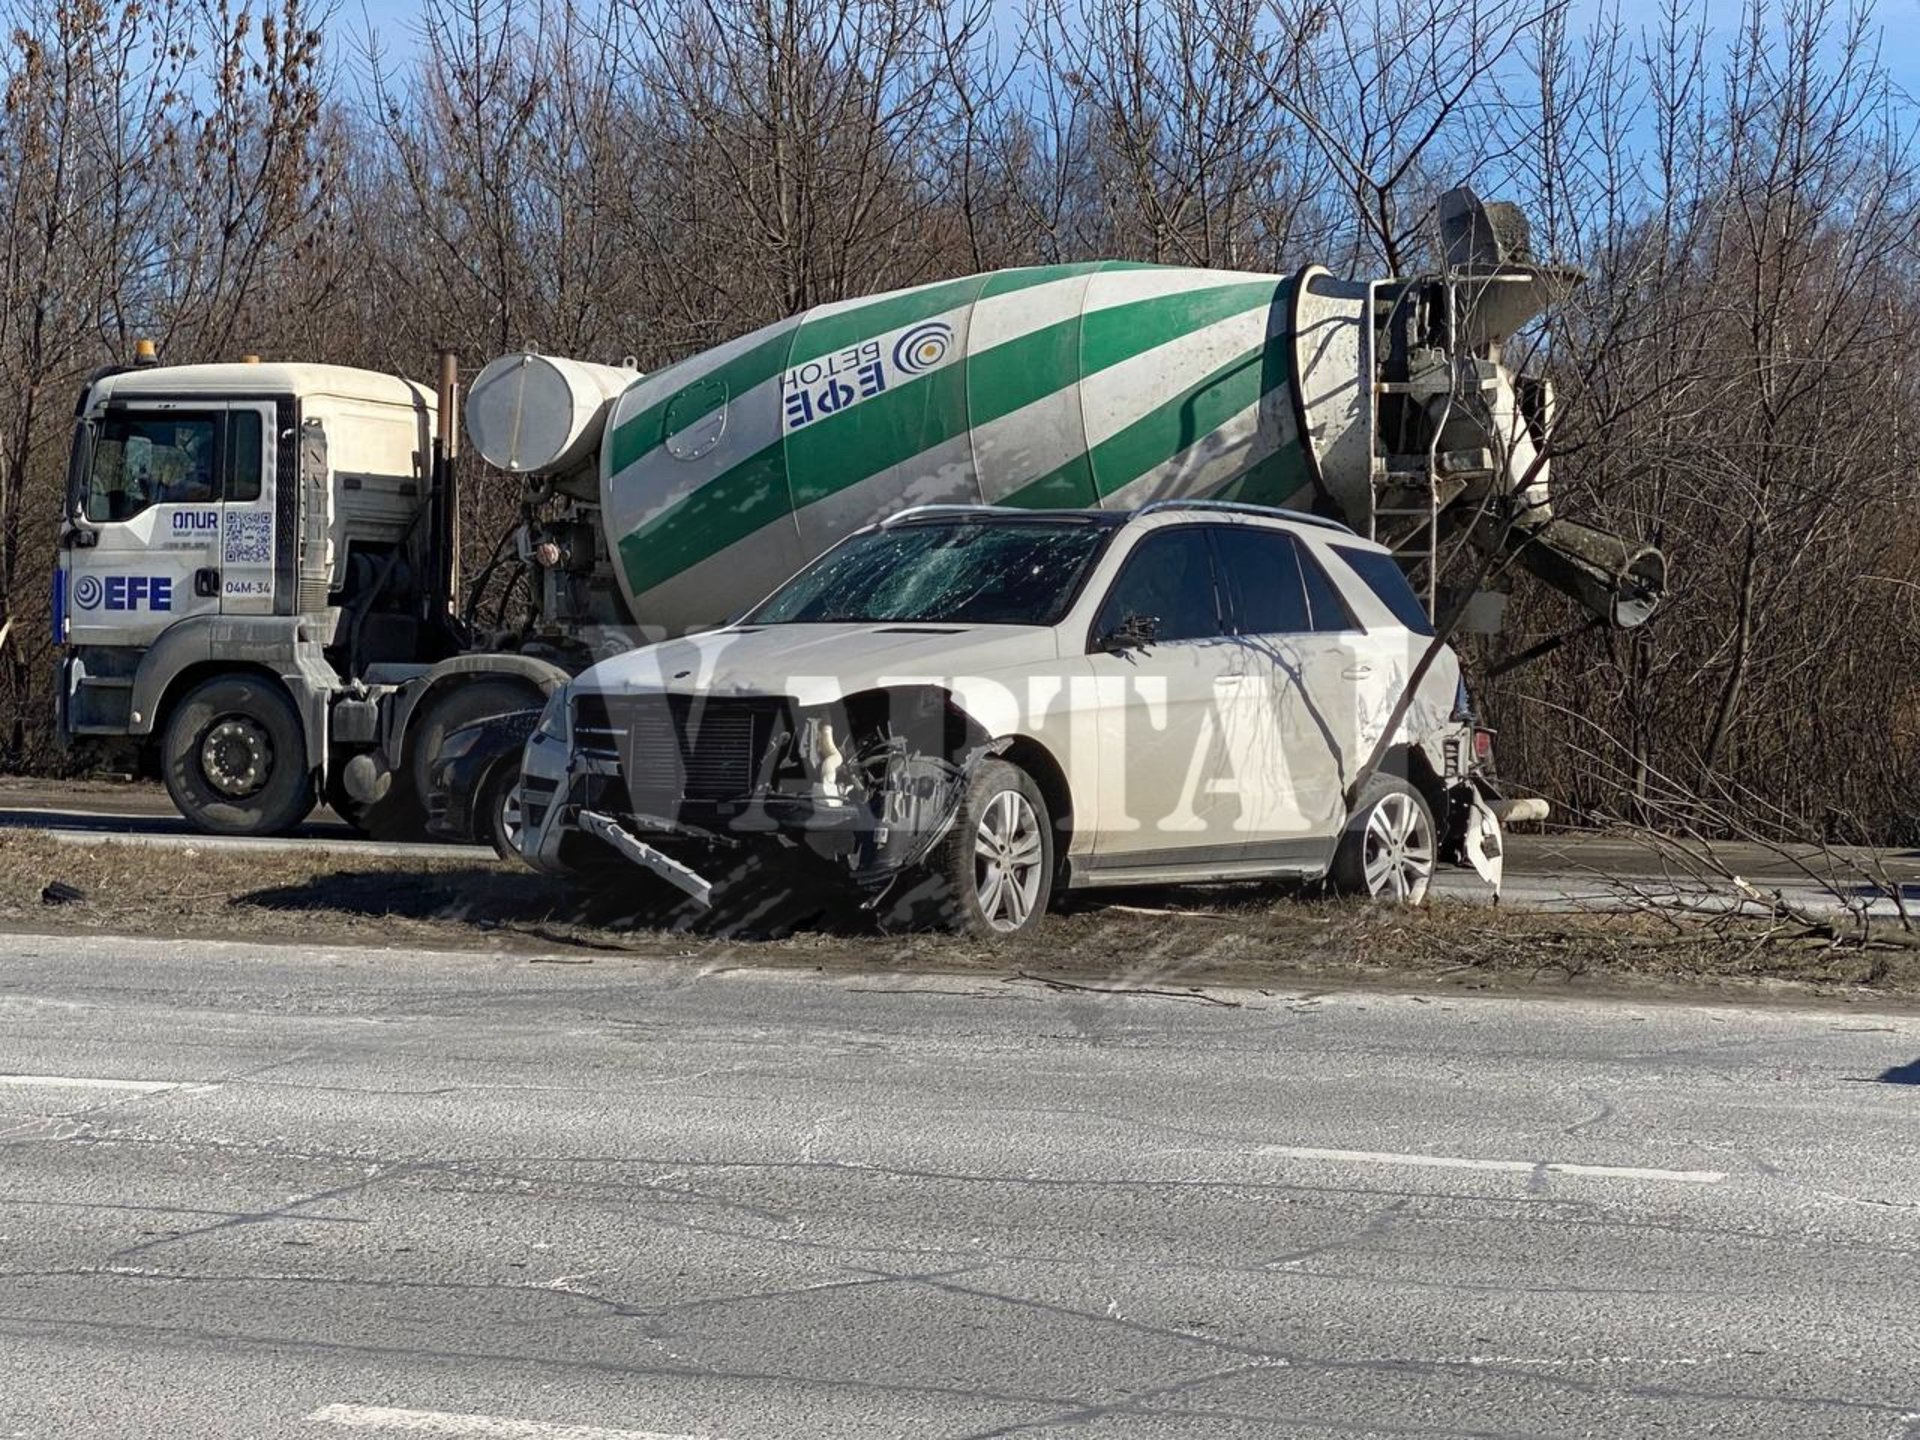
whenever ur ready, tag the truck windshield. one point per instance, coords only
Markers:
(968, 572)
(142, 460)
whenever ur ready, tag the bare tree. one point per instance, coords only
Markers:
(1402, 98)
(161, 170)
(1170, 106)
(794, 130)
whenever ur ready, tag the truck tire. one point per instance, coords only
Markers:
(446, 713)
(234, 758)
(991, 875)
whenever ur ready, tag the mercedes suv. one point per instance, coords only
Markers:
(955, 715)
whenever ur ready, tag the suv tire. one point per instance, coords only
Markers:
(497, 818)
(991, 875)
(1388, 850)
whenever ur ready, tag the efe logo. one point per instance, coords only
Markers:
(124, 592)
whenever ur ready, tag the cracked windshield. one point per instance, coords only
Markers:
(960, 573)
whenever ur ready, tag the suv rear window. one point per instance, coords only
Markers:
(1388, 581)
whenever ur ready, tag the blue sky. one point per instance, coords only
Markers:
(1899, 20)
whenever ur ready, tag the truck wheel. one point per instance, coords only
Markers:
(446, 713)
(1387, 851)
(991, 875)
(235, 760)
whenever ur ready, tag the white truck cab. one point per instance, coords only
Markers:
(251, 572)
(185, 493)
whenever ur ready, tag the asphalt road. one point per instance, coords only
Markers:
(261, 1192)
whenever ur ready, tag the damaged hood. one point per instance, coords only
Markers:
(818, 664)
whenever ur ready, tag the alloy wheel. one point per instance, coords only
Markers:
(1008, 860)
(511, 818)
(1399, 850)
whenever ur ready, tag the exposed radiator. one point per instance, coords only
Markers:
(671, 748)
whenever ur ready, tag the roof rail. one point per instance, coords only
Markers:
(1236, 507)
(915, 512)
(951, 509)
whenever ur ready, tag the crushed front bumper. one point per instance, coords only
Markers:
(576, 811)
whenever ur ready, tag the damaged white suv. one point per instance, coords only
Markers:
(954, 715)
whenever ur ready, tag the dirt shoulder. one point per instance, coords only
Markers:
(1242, 937)
(143, 807)
(128, 797)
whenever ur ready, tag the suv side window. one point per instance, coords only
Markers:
(1169, 578)
(1260, 571)
(1330, 612)
(142, 460)
(1388, 581)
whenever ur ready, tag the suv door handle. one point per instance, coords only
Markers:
(206, 583)
(1356, 672)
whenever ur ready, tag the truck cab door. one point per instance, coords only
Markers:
(143, 548)
(247, 510)
(172, 516)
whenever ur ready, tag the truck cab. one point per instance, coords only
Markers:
(185, 502)
(245, 576)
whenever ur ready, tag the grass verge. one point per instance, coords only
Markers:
(1170, 943)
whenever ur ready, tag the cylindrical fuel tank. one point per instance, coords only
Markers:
(1106, 384)
(540, 414)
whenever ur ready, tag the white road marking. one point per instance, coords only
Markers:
(1659, 1362)
(480, 1427)
(1519, 1167)
(95, 1082)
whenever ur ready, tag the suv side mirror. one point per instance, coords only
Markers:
(1136, 632)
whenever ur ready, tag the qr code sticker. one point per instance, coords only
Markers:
(249, 537)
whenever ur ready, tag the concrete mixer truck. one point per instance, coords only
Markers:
(257, 587)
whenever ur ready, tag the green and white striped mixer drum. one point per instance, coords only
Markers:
(1104, 384)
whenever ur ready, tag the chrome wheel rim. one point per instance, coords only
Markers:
(1399, 850)
(1008, 861)
(236, 756)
